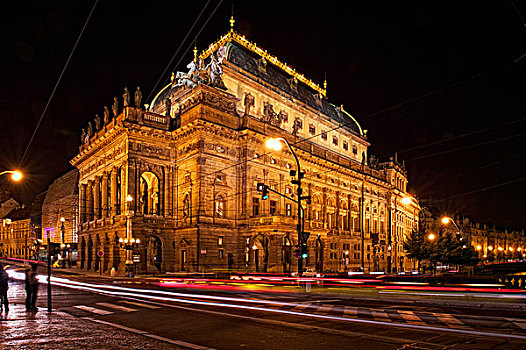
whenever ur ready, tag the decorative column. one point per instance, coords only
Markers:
(96, 198)
(104, 195)
(89, 200)
(82, 203)
(114, 203)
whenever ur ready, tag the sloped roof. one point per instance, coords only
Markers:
(63, 187)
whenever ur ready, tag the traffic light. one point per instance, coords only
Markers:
(297, 252)
(263, 189)
(304, 251)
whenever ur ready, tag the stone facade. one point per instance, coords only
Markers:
(17, 239)
(192, 161)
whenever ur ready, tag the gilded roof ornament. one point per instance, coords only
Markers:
(240, 39)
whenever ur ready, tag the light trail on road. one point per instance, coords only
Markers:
(153, 296)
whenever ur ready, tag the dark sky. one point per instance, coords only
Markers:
(375, 54)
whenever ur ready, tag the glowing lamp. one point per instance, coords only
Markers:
(445, 220)
(129, 198)
(406, 200)
(16, 176)
(500, 249)
(479, 247)
(431, 236)
(490, 248)
(274, 144)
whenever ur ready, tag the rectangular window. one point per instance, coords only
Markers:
(221, 253)
(335, 140)
(273, 205)
(345, 145)
(354, 150)
(220, 240)
(255, 206)
(299, 122)
(324, 135)
(288, 209)
(312, 129)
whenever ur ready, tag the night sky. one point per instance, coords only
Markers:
(443, 73)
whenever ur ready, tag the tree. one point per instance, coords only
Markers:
(416, 245)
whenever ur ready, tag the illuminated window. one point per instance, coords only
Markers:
(288, 209)
(220, 240)
(221, 253)
(220, 206)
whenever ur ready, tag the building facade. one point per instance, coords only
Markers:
(17, 239)
(182, 174)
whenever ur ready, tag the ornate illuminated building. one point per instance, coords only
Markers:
(191, 160)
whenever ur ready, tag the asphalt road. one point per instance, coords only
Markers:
(232, 320)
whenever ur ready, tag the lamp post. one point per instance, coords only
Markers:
(15, 174)
(129, 242)
(62, 241)
(446, 220)
(275, 144)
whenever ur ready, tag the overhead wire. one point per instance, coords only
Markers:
(57, 83)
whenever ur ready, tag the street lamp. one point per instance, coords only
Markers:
(62, 241)
(431, 237)
(15, 174)
(446, 220)
(276, 145)
(129, 242)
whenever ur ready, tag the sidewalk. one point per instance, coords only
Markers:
(58, 330)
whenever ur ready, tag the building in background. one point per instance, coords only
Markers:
(60, 216)
(17, 240)
(181, 175)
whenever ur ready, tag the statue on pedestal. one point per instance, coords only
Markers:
(97, 122)
(115, 106)
(106, 115)
(83, 136)
(126, 97)
(90, 129)
(138, 97)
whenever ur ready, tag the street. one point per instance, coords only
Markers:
(139, 315)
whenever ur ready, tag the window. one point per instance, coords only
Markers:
(255, 206)
(324, 135)
(299, 122)
(312, 129)
(273, 206)
(288, 190)
(149, 200)
(221, 253)
(288, 209)
(219, 178)
(354, 150)
(335, 140)
(219, 206)
(345, 145)
(186, 207)
(220, 240)
(273, 161)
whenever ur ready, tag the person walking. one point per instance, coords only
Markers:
(4, 286)
(31, 288)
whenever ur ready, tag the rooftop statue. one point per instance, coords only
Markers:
(115, 106)
(90, 129)
(97, 122)
(138, 97)
(83, 136)
(126, 97)
(106, 115)
(214, 68)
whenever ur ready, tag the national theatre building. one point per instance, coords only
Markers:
(180, 176)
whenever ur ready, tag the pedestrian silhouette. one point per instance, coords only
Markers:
(4, 286)
(31, 288)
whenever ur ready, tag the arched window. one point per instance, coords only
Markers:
(150, 195)
(219, 206)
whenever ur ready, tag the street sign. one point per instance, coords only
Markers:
(100, 253)
(136, 258)
(305, 236)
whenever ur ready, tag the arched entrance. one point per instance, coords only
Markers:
(319, 254)
(154, 253)
(150, 195)
(286, 254)
(260, 251)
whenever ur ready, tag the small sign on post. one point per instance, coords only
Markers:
(100, 253)
(136, 258)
